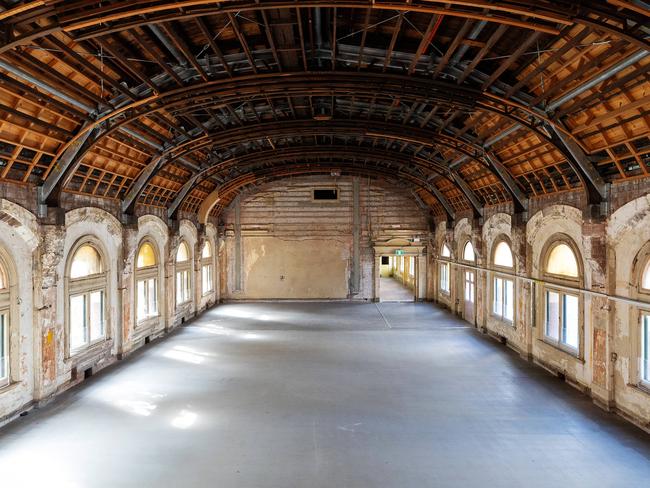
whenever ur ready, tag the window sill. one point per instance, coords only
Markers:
(569, 352)
(9, 387)
(641, 387)
(209, 292)
(504, 321)
(88, 352)
(147, 321)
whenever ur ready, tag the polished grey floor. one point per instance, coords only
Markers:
(325, 395)
(391, 290)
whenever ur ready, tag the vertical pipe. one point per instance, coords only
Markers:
(238, 246)
(356, 237)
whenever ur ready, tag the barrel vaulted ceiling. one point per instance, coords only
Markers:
(467, 103)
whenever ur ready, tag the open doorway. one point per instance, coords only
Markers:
(397, 278)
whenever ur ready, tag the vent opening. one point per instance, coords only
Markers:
(326, 194)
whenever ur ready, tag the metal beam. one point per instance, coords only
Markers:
(629, 61)
(595, 186)
(131, 197)
(476, 206)
(61, 173)
(449, 210)
(519, 198)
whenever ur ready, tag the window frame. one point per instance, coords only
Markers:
(468, 242)
(184, 270)
(207, 263)
(640, 264)
(564, 286)
(85, 286)
(445, 282)
(145, 274)
(470, 285)
(644, 348)
(445, 264)
(5, 310)
(506, 275)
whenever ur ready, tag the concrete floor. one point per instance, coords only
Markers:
(325, 395)
(391, 290)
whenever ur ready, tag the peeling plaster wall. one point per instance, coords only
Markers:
(18, 239)
(629, 233)
(37, 254)
(610, 253)
(294, 247)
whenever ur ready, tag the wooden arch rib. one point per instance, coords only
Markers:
(313, 84)
(292, 128)
(263, 175)
(87, 20)
(391, 159)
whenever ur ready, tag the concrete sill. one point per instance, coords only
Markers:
(562, 350)
(10, 387)
(645, 389)
(501, 320)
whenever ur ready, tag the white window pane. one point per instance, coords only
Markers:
(4, 348)
(509, 300)
(78, 331)
(179, 291)
(446, 253)
(562, 261)
(206, 252)
(96, 315)
(570, 321)
(497, 306)
(645, 349)
(645, 280)
(152, 296)
(141, 300)
(183, 253)
(503, 255)
(468, 252)
(412, 266)
(146, 256)
(86, 261)
(186, 295)
(553, 315)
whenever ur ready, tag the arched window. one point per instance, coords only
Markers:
(4, 326)
(445, 252)
(645, 327)
(468, 252)
(445, 285)
(206, 268)
(86, 297)
(645, 277)
(503, 255)
(503, 286)
(562, 307)
(146, 278)
(183, 273)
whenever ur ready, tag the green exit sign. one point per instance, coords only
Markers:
(399, 252)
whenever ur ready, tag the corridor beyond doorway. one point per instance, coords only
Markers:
(324, 395)
(391, 290)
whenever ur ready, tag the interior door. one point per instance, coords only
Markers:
(470, 296)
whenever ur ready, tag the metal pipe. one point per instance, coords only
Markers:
(638, 56)
(472, 36)
(167, 43)
(487, 144)
(319, 33)
(44, 86)
(539, 281)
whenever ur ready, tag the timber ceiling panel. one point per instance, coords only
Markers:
(471, 103)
